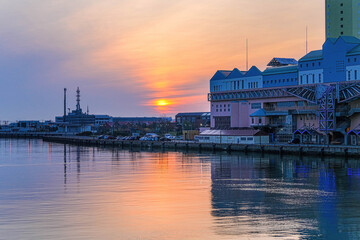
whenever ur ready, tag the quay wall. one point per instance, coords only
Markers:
(292, 149)
(296, 149)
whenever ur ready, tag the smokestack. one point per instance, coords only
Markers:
(64, 103)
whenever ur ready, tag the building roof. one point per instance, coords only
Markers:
(259, 113)
(236, 73)
(350, 39)
(262, 113)
(313, 55)
(237, 132)
(276, 62)
(221, 74)
(354, 51)
(253, 71)
(277, 70)
(307, 132)
(191, 114)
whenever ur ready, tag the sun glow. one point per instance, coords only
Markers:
(162, 103)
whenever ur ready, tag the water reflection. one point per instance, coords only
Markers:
(270, 197)
(77, 192)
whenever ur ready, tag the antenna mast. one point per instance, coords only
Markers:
(247, 55)
(306, 39)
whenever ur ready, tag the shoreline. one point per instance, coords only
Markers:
(282, 149)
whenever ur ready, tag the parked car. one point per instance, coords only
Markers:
(101, 137)
(165, 139)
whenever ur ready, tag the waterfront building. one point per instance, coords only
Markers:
(317, 96)
(102, 119)
(342, 18)
(192, 120)
(240, 136)
(75, 121)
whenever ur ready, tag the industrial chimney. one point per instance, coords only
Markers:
(64, 104)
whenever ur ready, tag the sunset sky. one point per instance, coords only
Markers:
(139, 57)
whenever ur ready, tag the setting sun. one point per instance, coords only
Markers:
(162, 103)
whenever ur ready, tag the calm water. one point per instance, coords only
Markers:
(55, 191)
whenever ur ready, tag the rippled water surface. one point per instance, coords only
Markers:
(55, 191)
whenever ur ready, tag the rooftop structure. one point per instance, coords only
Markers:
(75, 121)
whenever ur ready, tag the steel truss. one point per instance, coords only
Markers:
(327, 118)
(345, 91)
(348, 91)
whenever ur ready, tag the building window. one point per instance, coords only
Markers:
(342, 26)
(355, 59)
(255, 105)
(252, 120)
(355, 74)
(341, 12)
(260, 120)
(313, 64)
(319, 77)
(285, 104)
(342, 33)
(341, 19)
(301, 104)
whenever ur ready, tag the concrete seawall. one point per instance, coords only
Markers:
(309, 150)
(293, 149)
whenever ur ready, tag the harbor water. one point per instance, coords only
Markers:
(62, 191)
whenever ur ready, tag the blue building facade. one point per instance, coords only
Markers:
(337, 61)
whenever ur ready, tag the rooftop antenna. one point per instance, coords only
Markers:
(247, 55)
(306, 39)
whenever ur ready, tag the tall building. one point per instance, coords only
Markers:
(342, 18)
